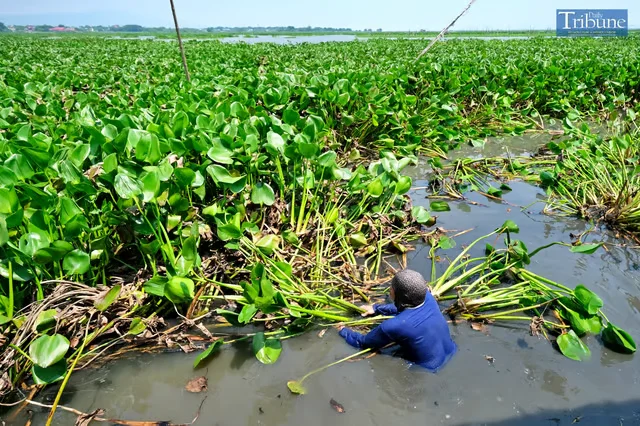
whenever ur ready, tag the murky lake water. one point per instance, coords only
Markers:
(530, 382)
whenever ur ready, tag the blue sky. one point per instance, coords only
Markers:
(356, 14)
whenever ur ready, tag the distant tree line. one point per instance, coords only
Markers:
(289, 29)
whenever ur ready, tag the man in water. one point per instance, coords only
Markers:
(418, 326)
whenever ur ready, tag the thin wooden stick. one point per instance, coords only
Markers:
(444, 31)
(184, 58)
(97, 418)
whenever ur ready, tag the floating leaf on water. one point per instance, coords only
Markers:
(479, 326)
(581, 323)
(585, 248)
(618, 340)
(212, 349)
(572, 347)
(197, 384)
(588, 300)
(494, 192)
(420, 214)
(107, 300)
(296, 387)
(48, 350)
(336, 406)
(439, 206)
(267, 351)
(446, 243)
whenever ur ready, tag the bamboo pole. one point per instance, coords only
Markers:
(444, 31)
(184, 58)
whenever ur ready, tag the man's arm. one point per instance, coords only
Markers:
(376, 338)
(388, 309)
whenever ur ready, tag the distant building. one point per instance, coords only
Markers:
(62, 29)
(11, 28)
(30, 28)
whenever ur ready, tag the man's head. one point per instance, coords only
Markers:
(408, 289)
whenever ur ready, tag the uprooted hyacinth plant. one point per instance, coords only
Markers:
(587, 174)
(265, 191)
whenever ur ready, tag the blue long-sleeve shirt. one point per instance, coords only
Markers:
(422, 333)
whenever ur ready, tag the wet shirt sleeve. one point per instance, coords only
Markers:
(376, 338)
(389, 309)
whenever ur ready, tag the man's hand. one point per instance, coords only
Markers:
(368, 310)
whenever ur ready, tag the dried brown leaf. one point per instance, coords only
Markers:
(479, 326)
(336, 406)
(197, 384)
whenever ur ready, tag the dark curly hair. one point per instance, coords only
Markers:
(410, 289)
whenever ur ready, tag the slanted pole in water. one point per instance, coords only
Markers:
(184, 58)
(444, 30)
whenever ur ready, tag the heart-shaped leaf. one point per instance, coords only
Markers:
(76, 262)
(268, 244)
(267, 351)
(572, 347)
(296, 387)
(126, 186)
(375, 188)
(46, 320)
(420, 215)
(403, 185)
(47, 350)
(509, 226)
(618, 340)
(262, 193)
(52, 374)
(247, 313)
(357, 240)
(179, 289)
(588, 300)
